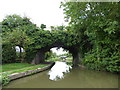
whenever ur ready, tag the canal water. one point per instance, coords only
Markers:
(77, 78)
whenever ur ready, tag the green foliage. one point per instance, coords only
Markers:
(58, 28)
(20, 31)
(8, 54)
(4, 78)
(16, 32)
(14, 21)
(50, 54)
(66, 54)
(42, 26)
(102, 61)
(98, 27)
(53, 59)
(93, 28)
(44, 38)
(16, 38)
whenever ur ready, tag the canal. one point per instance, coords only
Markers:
(77, 78)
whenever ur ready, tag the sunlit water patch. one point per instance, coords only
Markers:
(58, 70)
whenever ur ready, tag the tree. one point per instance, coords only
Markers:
(57, 27)
(52, 27)
(98, 28)
(12, 21)
(17, 38)
(43, 26)
(8, 54)
(60, 27)
(17, 31)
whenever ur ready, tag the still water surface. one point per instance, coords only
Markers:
(77, 78)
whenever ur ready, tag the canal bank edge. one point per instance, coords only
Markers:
(14, 76)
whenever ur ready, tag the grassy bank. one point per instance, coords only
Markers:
(19, 67)
(26, 69)
(16, 68)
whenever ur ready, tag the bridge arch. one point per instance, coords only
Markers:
(40, 55)
(44, 40)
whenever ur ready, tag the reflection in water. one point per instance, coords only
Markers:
(58, 70)
(77, 78)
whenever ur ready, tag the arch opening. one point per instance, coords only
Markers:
(58, 54)
(40, 55)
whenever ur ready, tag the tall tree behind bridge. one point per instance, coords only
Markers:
(98, 26)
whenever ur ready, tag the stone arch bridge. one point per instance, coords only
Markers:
(67, 41)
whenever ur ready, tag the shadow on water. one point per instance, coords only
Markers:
(77, 78)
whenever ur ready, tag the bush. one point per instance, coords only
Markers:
(8, 54)
(104, 61)
(5, 79)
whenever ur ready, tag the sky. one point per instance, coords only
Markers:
(59, 51)
(39, 11)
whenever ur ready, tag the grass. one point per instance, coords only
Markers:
(14, 66)
(23, 69)
(26, 69)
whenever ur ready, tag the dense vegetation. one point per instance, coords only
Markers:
(94, 26)
(15, 32)
(21, 32)
(98, 26)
